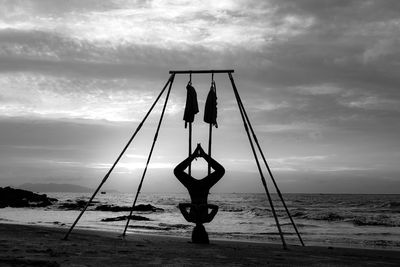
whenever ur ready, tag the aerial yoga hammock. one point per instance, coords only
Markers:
(210, 109)
(191, 109)
(210, 113)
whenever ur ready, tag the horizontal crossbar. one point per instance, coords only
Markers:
(199, 71)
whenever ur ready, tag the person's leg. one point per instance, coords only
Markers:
(214, 210)
(183, 208)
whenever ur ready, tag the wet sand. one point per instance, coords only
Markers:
(28, 245)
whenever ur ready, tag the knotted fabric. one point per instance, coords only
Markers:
(210, 110)
(191, 108)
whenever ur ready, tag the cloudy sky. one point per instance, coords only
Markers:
(319, 79)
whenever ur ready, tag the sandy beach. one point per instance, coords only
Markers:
(27, 245)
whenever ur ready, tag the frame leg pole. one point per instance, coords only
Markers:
(257, 161)
(270, 174)
(190, 148)
(279, 192)
(117, 160)
(150, 154)
(209, 146)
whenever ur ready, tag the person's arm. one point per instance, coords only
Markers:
(218, 172)
(180, 168)
(180, 173)
(212, 179)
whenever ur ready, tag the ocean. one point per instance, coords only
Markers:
(336, 220)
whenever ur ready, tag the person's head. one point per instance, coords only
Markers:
(199, 234)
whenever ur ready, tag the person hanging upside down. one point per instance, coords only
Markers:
(199, 189)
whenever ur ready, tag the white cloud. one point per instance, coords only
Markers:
(290, 127)
(322, 89)
(345, 169)
(289, 163)
(210, 24)
(298, 163)
(125, 167)
(30, 95)
(135, 156)
(301, 159)
(268, 105)
(373, 103)
(382, 48)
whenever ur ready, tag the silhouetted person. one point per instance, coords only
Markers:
(198, 191)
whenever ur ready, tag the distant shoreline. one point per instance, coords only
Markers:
(61, 188)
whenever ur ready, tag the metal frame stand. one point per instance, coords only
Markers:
(250, 134)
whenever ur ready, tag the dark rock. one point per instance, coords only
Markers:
(332, 217)
(140, 207)
(148, 207)
(27, 262)
(77, 205)
(112, 208)
(18, 198)
(123, 218)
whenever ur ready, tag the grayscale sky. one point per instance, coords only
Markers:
(319, 79)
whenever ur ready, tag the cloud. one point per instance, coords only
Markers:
(374, 103)
(316, 77)
(323, 89)
(94, 99)
(383, 49)
(178, 24)
(293, 127)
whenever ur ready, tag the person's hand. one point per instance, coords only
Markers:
(196, 152)
(199, 152)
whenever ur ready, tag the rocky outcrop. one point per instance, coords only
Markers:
(18, 198)
(123, 218)
(77, 205)
(140, 207)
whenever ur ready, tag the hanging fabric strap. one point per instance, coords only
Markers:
(191, 108)
(210, 110)
(210, 114)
